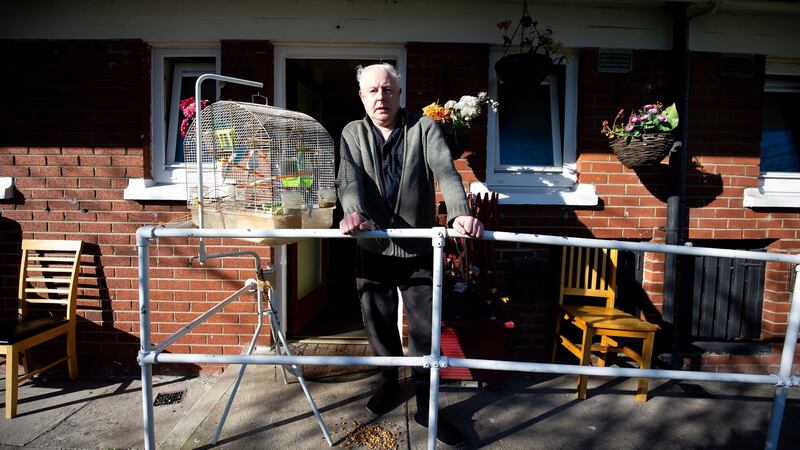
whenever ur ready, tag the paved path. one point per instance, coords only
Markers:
(529, 412)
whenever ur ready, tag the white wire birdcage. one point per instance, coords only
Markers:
(262, 167)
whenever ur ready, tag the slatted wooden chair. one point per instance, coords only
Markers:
(48, 275)
(586, 274)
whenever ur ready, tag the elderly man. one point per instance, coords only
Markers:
(389, 160)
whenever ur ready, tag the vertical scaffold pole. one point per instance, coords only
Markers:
(436, 335)
(787, 358)
(198, 147)
(144, 340)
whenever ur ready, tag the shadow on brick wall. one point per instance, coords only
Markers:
(115, 346)
(105, 347)
(531, 273)
(701, 187)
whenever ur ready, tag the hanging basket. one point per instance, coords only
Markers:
(457, 139)
(523, 68)
(648, 150)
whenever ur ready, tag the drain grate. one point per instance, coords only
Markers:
(168, 398)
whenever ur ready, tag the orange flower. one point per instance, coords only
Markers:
(436, 112)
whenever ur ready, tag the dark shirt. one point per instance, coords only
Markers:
(391, 152)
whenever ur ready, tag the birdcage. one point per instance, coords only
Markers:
(263, 167)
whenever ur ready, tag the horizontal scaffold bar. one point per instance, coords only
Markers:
(282, 360)
(154, 232)
(486, 364)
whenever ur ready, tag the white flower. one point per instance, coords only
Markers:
(468, 107)
(482, 96)
(450, 104)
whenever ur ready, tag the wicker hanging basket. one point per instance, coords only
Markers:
(648, 150)
(523, 68)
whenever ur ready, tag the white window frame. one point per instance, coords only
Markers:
(776, 189)
(534, 185)
(168, 180)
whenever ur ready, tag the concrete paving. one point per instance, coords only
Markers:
(529, 412)
(93, 412)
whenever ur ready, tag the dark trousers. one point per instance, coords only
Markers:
(378, 278)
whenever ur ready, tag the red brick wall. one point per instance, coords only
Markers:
(249, 60)
(75, 93)
(70, 176)
(632, 203)
(724, 135)
(758, 363)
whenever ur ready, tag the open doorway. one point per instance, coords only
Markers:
(322, 298)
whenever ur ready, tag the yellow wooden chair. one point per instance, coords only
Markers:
(591, 273)
(48, 275)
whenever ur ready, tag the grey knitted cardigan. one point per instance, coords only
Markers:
(426, 157)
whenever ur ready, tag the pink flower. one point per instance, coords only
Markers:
(605, 123)
(652, 118)
(504, 25)
(188, 107)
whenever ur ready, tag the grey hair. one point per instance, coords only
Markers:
(388, 68)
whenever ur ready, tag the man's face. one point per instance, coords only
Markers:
(380, 96)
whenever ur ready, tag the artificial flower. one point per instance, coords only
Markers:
(188, 108)
(459, 113)
(651, 118)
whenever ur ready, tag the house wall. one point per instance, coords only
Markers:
(79, 133)
(80, 123)
(723, 143)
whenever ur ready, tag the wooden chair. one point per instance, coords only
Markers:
(591, 273)
(48, 275)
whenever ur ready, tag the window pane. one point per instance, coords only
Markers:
(525, 125)
(187, 90)
(780, 133)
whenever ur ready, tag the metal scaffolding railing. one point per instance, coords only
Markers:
(150, 354)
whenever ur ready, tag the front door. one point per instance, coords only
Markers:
(322, 302)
